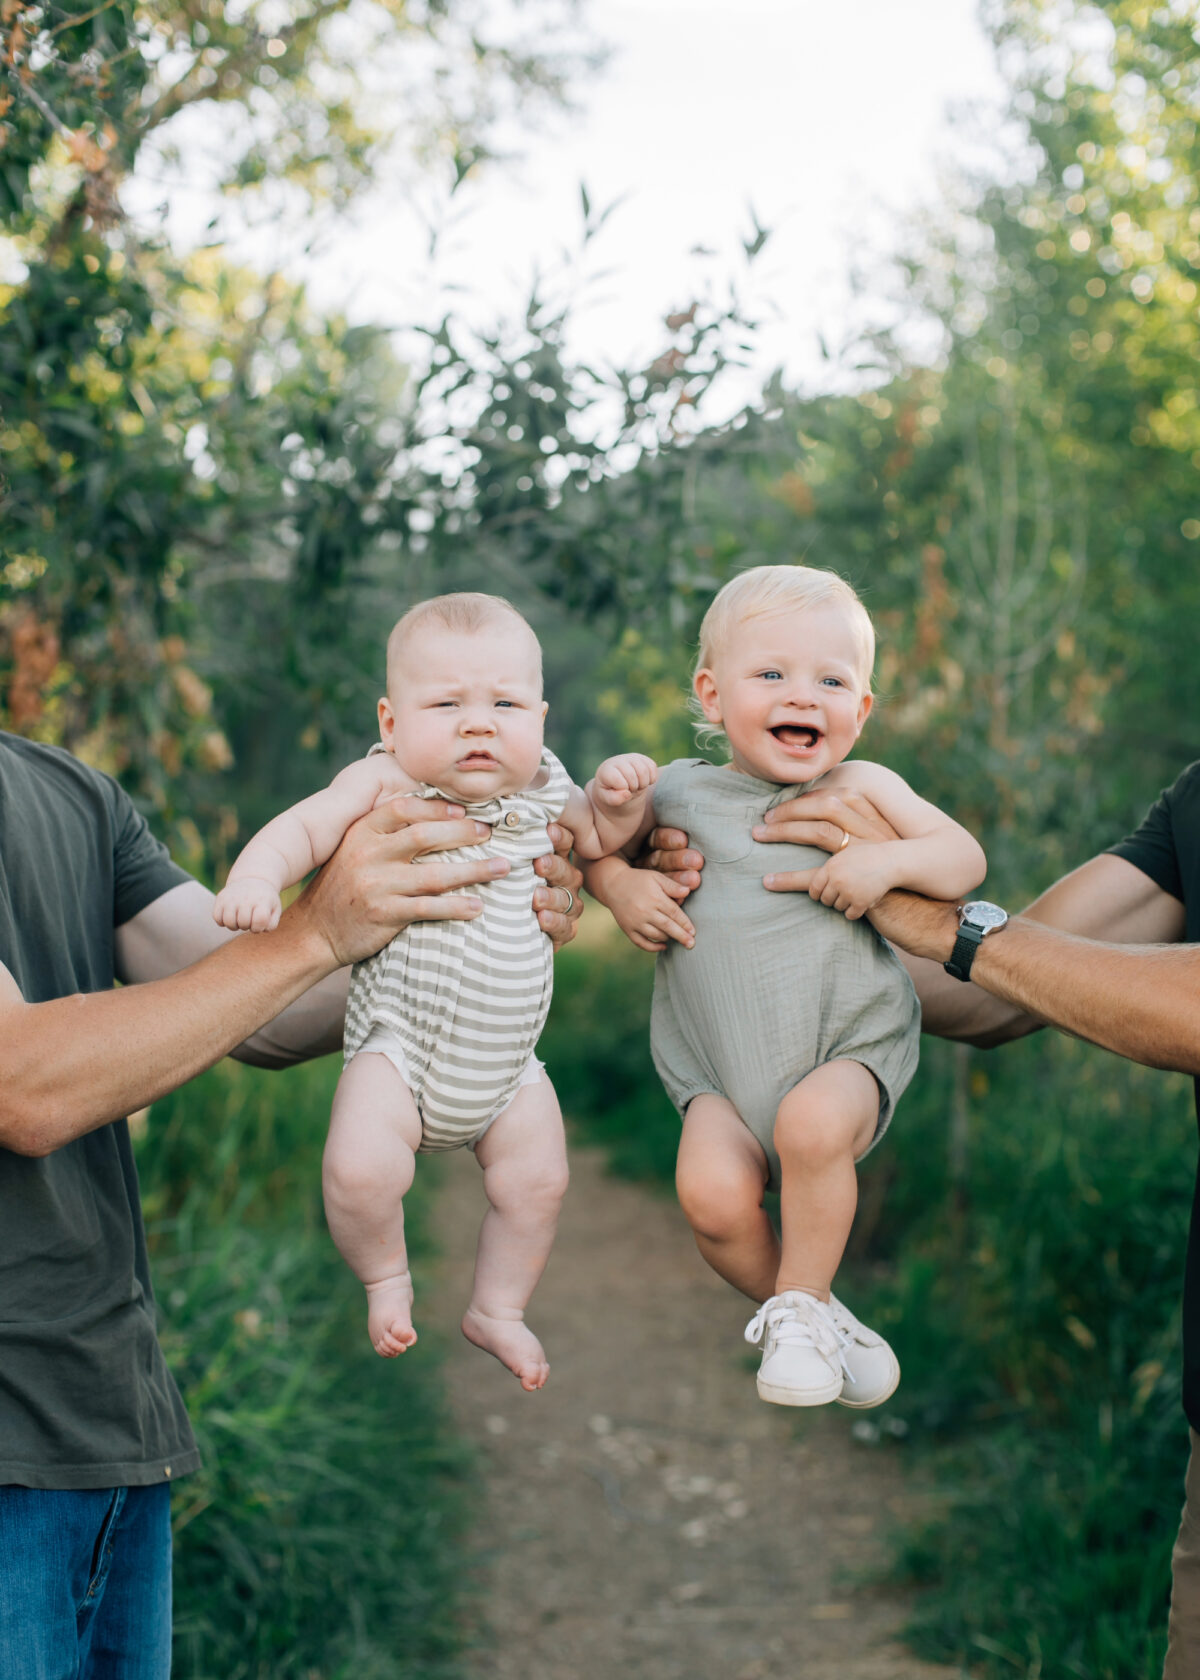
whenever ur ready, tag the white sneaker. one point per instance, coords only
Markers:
(801, 1362)
(871, 1370)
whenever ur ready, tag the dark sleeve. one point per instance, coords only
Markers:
(142, 867)
(1152, 847)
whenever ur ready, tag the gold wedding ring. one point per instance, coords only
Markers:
(845, 840)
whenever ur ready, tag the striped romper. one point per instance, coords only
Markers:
(458, 1006)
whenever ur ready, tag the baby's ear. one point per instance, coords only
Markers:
(387, 723)
(704, 685)
(545, 708)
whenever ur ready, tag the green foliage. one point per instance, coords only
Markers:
(320, 1535)
(1035, 1306)
(192, 465)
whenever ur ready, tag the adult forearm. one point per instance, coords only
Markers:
(964, 1012)
(1142, 1002)
(312, 1026)
(75, 1063)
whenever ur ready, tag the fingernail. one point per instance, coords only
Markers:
(497, 867)
(768, 880)
(474, 903)
(457, 810)
(481, 829)
(758, 831)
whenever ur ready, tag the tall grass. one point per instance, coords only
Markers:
(318, 1540)
(1021, 1240)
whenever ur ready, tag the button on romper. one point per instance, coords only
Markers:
(776, 983)
(468, 1000)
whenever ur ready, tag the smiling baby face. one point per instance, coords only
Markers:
(790, 687)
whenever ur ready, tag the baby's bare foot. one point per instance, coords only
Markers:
(511, 1341)
(389, 1315)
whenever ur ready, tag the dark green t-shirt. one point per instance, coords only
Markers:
(1167, 848)
(86, 1400)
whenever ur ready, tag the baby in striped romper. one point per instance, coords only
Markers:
(442, 1024)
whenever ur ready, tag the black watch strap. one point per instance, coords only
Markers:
(968, 942)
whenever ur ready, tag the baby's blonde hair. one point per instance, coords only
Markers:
(465, 611)
(766, 591)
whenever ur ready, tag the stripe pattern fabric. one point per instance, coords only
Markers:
(468, 1000)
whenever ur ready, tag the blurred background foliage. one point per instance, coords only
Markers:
(321, 1535)
(214, 499)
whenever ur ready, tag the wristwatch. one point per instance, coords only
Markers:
(975, 920)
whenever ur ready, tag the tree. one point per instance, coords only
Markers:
(170, 426)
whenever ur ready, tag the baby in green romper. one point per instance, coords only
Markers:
(783, 1026)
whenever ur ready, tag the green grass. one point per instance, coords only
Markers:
(320, 1539)
(1029, 1278)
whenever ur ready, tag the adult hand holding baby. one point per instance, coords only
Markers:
(373, 886)
(561, 879)
(841, 822)
(821, 818)
(834, 821)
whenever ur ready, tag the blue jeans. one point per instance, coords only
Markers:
(85, 1583)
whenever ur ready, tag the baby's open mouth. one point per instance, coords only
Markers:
(475, 760)
(796, 734)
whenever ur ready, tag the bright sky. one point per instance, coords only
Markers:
(830, 119)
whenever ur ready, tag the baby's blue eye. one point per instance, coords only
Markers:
(836, 681)
(772, 675)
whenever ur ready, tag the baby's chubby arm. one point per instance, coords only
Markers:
(300, 839)
(932, 855)
(615, 810)
(644, 903)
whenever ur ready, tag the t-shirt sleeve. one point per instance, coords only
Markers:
(1152, 847)
(142, 867)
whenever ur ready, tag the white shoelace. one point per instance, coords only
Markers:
(849, 1329)
(811, 1325)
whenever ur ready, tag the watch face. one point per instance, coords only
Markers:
(983, 915)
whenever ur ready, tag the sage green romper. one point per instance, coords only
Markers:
(776, 983)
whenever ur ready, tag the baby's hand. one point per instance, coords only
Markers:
(854, 880)
(646, 907)
(248, 903)
(618, 779)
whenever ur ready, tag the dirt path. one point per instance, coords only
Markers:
(646, 1516)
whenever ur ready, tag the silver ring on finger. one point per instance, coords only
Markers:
(845, 840)
(570, 901)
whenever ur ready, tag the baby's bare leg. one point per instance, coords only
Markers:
(374, 1131)
(720, 1176)
(824, 1124)
(524, 1159)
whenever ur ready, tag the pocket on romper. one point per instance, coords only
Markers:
(724, 841)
